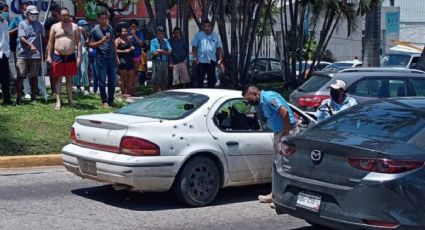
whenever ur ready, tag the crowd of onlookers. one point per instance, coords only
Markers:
(90, 55)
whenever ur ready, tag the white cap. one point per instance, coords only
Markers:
(31, 9)
(338, 84)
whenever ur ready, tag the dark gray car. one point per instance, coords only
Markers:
(361, 169)
(363, 84)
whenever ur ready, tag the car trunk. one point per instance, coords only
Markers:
(104, 131)
(332, 167)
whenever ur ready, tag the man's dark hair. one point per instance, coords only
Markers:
(176, 29)
(65, 9)
(206, 21)
(55, 7)
(246, 88)
(133, 21)
(102, 13)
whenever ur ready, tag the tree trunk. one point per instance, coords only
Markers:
(372, 43)
(161, 8)
(151, 15)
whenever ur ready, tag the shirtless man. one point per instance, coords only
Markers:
(64, 37)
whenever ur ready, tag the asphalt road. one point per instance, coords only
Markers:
(52, 198)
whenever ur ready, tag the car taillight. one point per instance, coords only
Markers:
(312, 101)
(384, 165)
(134, 146)
(286, 150)
(381, 224)
(72, 136)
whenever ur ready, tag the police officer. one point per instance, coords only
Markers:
(338, 102)
(279, 115)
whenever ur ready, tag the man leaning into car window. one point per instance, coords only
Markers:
(279, 115)
(338, 102)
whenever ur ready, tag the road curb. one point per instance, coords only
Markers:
(30, 161)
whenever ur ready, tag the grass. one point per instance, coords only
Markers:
(39, 129)
(31, 129)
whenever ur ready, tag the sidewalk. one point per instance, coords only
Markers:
(30, 161)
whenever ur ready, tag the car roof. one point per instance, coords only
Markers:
(404, 53)
(212, 93)
(348, 62)
(351, 77)
(265, 58)
(382, 69)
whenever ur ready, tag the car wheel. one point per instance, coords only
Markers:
(198, 182)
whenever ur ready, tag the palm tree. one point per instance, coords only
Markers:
(372, 38)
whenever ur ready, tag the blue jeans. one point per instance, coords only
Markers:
(93, 67)
(106, 70)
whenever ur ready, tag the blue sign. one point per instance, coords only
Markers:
(393, 22)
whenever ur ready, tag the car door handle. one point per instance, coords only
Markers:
(232, 143)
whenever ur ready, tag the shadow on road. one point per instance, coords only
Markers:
(164, 200)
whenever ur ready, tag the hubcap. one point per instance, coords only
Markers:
(201, 182)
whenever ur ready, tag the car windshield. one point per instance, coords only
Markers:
(391, 120)
(166, 105)
(395, 60)
(314, 83)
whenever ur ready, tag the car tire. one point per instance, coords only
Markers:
(198, 182)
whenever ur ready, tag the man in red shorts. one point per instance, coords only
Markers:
(64, 37)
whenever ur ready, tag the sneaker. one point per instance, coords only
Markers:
(272, 205)
(265, 198)
(33, 102)
(27, 96)
(86, 93)
(105, 105)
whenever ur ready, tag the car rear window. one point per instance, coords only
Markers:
(166, 105)
(395, 60)
(314, 83)
(391, 120)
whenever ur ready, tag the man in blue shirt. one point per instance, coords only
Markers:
(338, 102)
(161, 50)
(101, 39)
(206, 46)
(279, 115)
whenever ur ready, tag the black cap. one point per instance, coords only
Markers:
(159, 29)
(55, 7)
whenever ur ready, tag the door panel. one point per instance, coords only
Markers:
(248, 147)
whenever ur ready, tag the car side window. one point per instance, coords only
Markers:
(398, 88)
(276, 66)
(419, 86)
(237, 116)
(414, 62)
(260, 65)
(360, 88)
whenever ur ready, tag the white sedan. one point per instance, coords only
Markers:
(193, 141)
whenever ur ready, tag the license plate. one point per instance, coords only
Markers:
(88, 167)
(309, 201)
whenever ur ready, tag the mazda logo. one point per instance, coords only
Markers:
(316, 156)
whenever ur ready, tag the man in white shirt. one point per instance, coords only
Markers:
(4, 58)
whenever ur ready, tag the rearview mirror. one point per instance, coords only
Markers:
(188, 106)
